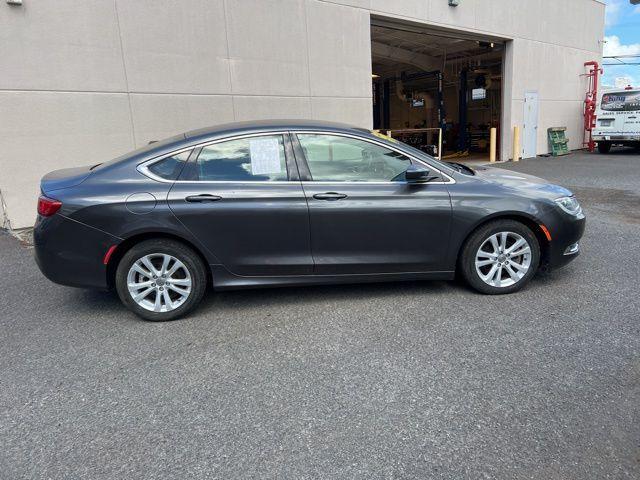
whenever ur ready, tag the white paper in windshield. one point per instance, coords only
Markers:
(265, 156)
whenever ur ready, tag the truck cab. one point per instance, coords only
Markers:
(618, 119)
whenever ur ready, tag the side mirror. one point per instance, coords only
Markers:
(416, 173)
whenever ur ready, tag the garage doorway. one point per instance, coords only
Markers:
(439, 90)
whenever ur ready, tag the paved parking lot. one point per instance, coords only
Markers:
(407, 380)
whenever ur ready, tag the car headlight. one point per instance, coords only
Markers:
(569, 205)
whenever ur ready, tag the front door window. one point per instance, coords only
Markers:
(333, 158)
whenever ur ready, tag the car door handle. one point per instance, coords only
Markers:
(202, 198)
(329, 196)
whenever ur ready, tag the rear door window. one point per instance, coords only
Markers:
(260, 158)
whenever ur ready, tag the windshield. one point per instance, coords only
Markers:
(628, 101)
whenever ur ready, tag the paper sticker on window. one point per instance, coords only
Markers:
(265, 156)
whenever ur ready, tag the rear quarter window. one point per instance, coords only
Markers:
(169, 168)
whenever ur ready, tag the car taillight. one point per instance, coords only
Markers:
(48, 206)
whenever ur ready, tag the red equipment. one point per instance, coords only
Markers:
(590, 104)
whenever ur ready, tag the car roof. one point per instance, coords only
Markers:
(265, 125)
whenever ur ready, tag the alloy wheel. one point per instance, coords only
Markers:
(503, 259)
(159, 282)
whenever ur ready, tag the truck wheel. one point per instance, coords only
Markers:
(604, 147)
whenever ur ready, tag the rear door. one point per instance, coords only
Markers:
(243, 200)
(365, 218)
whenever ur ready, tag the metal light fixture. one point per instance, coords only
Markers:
(454, 3)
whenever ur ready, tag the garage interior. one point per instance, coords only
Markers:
(426, 79)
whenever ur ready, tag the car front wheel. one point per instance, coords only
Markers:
(500, 257)
(160, 279)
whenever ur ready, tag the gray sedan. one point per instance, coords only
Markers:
(285, 203)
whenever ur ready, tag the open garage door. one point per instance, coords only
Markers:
(435, 87)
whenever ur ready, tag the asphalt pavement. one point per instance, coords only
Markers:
(406, 380)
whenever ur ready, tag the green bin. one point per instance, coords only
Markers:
(557, 141)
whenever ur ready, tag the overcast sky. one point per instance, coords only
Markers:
(622, 37)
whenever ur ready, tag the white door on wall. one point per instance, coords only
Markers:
(530, 125)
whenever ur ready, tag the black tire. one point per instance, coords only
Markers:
(604, 147)
(178, 250)
(467, 263)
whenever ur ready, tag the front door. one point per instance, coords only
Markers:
(365, 217)
(243, 200)
(530, 125)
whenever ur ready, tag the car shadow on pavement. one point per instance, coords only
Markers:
(323, 293)
(88, 302)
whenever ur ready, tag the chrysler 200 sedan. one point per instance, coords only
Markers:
(284, 203)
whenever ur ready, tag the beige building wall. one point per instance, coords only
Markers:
(84, 81)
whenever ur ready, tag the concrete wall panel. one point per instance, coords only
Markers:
(268, 47)
(461, 16)
(184, 112)
(354, 111)
(352, 3)
(408, 8)
(553, 71)
(339, 50)
(510, 18)
(180, 47)
(60, 45)
(560, 114)
(257, 108)
(44, 131)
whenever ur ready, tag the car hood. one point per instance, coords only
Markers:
(65, 178)
(527, 184)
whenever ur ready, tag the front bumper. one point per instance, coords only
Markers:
(566, 232)
(71, 253)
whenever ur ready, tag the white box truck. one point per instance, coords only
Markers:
(618, 119)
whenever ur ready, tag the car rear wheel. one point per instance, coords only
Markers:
(500, 257)
(160, 279)
(604, 147)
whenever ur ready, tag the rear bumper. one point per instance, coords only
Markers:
(71, 253)
(618, 139)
